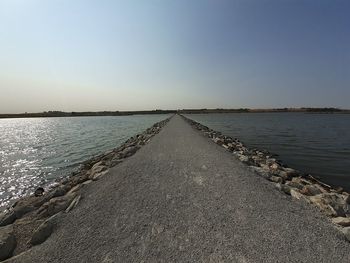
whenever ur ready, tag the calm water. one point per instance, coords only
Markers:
(318, 144)
(36, 151)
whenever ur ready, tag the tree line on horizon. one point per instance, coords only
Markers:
(184, 111)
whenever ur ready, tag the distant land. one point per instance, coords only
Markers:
(186, 111)
(242, 110)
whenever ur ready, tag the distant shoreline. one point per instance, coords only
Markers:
(51, 114)
(274, 110)
(48, 114)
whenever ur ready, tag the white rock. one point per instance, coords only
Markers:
(342, 221)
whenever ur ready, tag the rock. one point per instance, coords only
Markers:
(7, 242)
(342, 221)
(297, 195)
(339, 190)
(23, 209)
(39, 191)
(276, 179)
(274, 166)
(231, 147)
(310, 190)
(346, 232)
(260, 171)
(97, 168)
(98, 175)
(295, 185)
(75, 189)
(218, 141)
(29, 204)
(291, 172)
(283, 175)
(243, 159)
(7, 218)
(270, 161)
(286, 189)
(225, 146)
(59, 191)
(87, 182)
(115, 161)
(347, 199)
(56, 205)
(332, 204)
(322, 189)
(265, 167)
(128, 151)
(44, 230)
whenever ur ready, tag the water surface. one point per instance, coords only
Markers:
(318, 144)
(36, 151)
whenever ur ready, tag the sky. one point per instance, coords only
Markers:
(86, 55)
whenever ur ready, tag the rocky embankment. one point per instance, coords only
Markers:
(31, 220)
(335, 203)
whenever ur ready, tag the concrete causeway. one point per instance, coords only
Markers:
(182, 198)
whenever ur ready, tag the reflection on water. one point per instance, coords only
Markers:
(36, 151)
(318, 144)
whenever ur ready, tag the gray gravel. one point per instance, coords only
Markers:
(182, 198)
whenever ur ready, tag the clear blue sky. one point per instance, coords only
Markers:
(130, 55)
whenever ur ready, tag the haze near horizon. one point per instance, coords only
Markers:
(138, 55)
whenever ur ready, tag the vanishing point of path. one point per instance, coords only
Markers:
(182, 198)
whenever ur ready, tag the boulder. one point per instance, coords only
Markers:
(347, 199)
(39, 191)
(128, 151)
(56, 205)
(59, 191)
(7, 242)
(260, 171)
(274, 166)
(295, 185)
(310, 190)
(116, 160)
(44, 230)
(97, 168)
(332, 204)
(243, 159)
(270, 161)
(297, 195)
(7, 218)
(23, 209)
(99, 175)
(342, 221)
(283, 174)
(218, 141)
(75, 189)
(276, 179)
(284, 188)
(265, 167)
(291, 172)
(346, 232)
(87, 182)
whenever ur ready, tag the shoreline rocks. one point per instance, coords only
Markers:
(34, 217)
(335, 203)
(7, 242)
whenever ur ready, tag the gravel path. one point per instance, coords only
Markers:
(182, 198)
